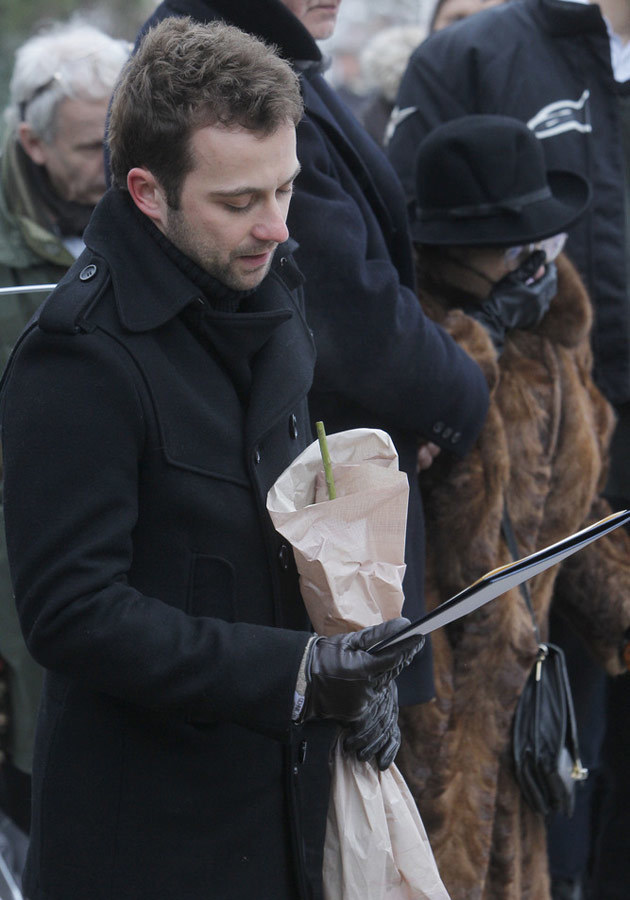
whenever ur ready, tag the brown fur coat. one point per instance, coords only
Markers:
(543, 450)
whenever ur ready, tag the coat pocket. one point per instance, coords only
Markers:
(212, 588)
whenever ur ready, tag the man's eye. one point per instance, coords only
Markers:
(241, 206)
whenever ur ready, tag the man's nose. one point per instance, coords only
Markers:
(272, 227)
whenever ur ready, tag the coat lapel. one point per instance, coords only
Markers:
(282, 370)
(155, 291)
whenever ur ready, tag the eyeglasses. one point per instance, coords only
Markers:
(551, 247)
(59, 78)
(37, 93)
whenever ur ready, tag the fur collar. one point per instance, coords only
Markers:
(570, 316)
(567, 322)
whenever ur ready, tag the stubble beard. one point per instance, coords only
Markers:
(181, 235)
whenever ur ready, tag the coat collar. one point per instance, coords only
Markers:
(564, 18)
(569, 318)
(149, 288)
(566, 323)
(267, 19)
(150, 291)
(139, 272)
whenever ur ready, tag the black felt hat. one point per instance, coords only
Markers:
(482, 180)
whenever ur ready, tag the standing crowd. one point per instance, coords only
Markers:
(236, 258)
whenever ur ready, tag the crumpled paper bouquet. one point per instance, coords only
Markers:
(349, 552)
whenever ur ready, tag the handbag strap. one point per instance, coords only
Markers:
(510, 539)
(579, 773)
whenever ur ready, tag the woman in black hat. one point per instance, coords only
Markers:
(488, 227)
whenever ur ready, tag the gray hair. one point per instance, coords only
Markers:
(384, 58)
(73, 60)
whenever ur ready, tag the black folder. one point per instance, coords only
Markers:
(500, 580)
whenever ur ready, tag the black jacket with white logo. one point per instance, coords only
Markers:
(546, 62)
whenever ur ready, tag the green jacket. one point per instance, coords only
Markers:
(30, 253)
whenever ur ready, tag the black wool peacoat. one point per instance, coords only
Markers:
(152, 586)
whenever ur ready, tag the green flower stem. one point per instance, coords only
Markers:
(323, 446)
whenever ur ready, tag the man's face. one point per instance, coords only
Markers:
(74, 158)
(318, 16)
(234, 202)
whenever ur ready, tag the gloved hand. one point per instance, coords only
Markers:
(377, 733)
(343, 680)
(517, 300)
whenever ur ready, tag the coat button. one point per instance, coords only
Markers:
(447, 433)
(284, 557)
(88, 273)
(293, 427)
(256, 456)
(438, 427)
(456, 437)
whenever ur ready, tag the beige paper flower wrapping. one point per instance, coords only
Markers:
(349, 553)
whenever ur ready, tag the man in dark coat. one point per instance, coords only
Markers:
(380, 361)
(188, 712)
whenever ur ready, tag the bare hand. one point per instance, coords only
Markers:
(427, 452)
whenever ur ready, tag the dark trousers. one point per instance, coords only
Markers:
(570, 840)
(611, 864)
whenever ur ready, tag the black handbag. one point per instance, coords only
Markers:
(544, 737)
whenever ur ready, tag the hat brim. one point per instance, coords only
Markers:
(570, 198)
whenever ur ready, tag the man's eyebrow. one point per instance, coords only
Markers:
(245, 189)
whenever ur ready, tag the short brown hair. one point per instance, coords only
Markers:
(186, 76)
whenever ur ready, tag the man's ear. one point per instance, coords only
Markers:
(32, 144)
(146, 193)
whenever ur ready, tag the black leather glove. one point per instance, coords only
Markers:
(377, 733)
(343, 680)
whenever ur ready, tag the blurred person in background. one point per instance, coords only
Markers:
(384, 58)
(358, 22)
(563, 68)
(51, 177)
(52, 170)
(383, 61)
